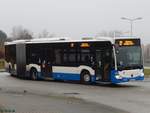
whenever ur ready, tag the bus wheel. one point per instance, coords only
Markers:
(85, 77)
(33, 74)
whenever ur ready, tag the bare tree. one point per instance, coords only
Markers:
(18, 32)
(3, 37)
(46, 34)
(52, 35)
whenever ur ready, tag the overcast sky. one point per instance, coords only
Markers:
(76, 18)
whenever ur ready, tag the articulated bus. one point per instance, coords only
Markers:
(88, 61)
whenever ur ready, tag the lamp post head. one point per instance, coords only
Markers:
(131, 22)
(139, 18)
(124, 18)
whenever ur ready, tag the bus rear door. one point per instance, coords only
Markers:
(46, 64)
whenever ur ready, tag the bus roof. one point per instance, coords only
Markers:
(65, 39)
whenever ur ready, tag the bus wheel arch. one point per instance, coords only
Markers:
(85, 77)
(33, 73)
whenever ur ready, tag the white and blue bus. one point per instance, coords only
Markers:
(88, 61)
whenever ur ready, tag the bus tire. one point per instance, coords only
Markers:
(33, 74)
(85, 77)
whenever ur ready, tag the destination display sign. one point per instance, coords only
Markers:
(127, 42)
(85, 45)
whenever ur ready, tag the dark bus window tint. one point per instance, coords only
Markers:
(58, 56)
(69, 56)
(10, 53)
(65, 59)
(85, 51)
(85, 56)
(72, 57)
(34, 55)
(78, 57)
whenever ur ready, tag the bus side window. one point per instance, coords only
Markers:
(72, 56)
(87, 59)
(85, 56)
(58, 56)
(69, 57)
(65, 59)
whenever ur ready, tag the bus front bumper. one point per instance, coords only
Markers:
(118, 79)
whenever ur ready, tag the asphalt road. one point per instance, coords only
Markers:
(61, 97)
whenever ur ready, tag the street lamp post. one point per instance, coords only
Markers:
(131, 23)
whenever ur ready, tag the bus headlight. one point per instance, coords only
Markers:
(142, 74)
(118, 77)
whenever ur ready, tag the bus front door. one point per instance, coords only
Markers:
(103, 65)
(99, 64)
(106, 65)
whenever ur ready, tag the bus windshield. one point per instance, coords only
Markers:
(129, 57)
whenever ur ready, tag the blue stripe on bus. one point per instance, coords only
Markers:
(66, 76)
(70, 76)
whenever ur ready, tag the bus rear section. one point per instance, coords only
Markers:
(10, 59)
(15, 58)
